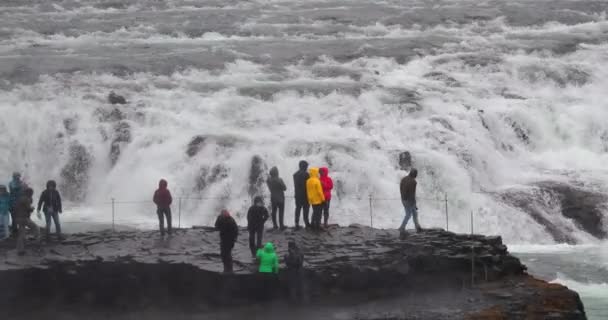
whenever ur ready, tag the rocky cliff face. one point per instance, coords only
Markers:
(136, 270)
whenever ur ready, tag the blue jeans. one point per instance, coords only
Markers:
(55, 216)
(410, 211)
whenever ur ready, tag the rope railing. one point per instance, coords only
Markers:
(182, 202)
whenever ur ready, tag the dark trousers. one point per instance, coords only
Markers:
(326, 212)
(54, 216)
(226, 254)
(255, 239)
(267, 285)
(317, 212)
(295, 283)
(14, 228)
(305, 207)
(280, 207)
(162, 213)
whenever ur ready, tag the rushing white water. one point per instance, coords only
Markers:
(583, 268)
(489, 98)
(485, 98)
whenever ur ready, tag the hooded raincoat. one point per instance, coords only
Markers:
(269, 262)
(327, 183)
(276, 186)
(314, 189)
(162, 196)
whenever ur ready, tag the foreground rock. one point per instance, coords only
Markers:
(423, 276)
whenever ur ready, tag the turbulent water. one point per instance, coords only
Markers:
(487, 99)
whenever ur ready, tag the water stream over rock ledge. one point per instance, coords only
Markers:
(352, 272)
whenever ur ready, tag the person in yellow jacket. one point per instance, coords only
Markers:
(316, 198)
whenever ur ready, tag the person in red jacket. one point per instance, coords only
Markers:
(163, 200)
(327, 185)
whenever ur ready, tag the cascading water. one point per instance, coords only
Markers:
(500, 105)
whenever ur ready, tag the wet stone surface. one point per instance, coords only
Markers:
(137, 269)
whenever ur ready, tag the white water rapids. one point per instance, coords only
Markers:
(486, 96)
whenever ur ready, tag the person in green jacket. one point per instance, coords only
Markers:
(269, 262)
(269, 268)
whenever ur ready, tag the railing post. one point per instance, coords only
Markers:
(371, 212)
(447, 220)
(472, 254)
(113, 213)
(179, 213)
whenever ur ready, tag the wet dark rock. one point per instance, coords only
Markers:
(75, 174)
(207, 177)
(405, 160)
(132, 270)
(445, 123)
(440, 76)
(542, 200)
(195, 145)
(70, 125)
(522, 133)
(109, 114)
(585, 207)
(114, 98)
(562, 76)
(257, 176)
(122, 137)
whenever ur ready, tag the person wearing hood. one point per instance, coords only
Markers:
(229, 231)
(15, 187)
(4, 213)
(50, 203)
(328, 184)
(256, 218)
(408, 198)
(316, 197)
(23, 210)
(268, 270)
(277, 197)
(299, 188)
(294, 261)
(162, 198)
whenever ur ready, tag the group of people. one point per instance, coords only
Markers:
(16, 208)
(312, 188)
(266, 256)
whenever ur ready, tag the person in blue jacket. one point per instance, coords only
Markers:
(4, 214)
(15, 187)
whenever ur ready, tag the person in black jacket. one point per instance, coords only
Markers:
(277, 197)
(256, 217)
(50, 203)
(295, 261)
(299, 186)
(229, 231)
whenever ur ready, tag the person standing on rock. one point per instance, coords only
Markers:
(23, 210)
(316, 197)
(256, 218)
(162, 198)
(50, 203)
(408, 198)
(328, 184)
(15, 187)
(277, 197)
(4, 213)
(294, 261)
(229, 231)
(268, 270)
(299, 187)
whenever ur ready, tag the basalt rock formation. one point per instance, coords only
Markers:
(429, 275)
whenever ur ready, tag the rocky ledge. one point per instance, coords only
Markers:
(351, 273)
